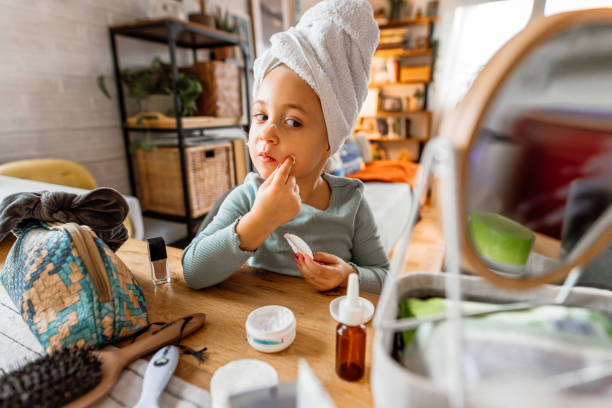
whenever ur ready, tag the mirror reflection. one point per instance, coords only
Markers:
(539, 173)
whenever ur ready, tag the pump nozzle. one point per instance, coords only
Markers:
(351, 310)
(352, 291)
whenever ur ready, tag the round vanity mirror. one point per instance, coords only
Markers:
(534, 137)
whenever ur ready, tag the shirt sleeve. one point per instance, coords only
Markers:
(368, 254)
(215, 253)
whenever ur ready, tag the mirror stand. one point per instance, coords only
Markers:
(438, 158)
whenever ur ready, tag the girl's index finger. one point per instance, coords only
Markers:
(269, 179)
(272, 176)
(282, 174)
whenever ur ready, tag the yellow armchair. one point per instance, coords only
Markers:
(55, 171)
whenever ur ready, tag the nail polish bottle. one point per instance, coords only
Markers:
(351, 334)
(159, 261)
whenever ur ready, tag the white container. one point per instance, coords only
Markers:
(270, 328)
(240, 376)
(393, 385)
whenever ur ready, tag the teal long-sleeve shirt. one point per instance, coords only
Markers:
(345, 229)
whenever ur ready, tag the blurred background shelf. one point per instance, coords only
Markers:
(408, 22)
(395, 139)
(395, 114)
(186, 131)
(384, 84)
(156, 120)
(398, 52)
(383, 114)
(191, 35)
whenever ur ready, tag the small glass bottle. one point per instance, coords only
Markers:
(159, 261)
(351, 335)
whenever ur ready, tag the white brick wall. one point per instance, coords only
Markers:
(50, 106)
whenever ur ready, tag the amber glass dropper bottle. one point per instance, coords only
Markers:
(351, 334)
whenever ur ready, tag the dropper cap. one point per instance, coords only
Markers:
(351, 313)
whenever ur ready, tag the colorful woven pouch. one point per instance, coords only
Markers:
(71, 288)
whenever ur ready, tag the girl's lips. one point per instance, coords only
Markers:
(266, 158)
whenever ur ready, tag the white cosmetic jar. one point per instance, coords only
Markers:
(270, 328)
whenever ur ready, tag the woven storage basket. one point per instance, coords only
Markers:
(221, 88)
(210, 173)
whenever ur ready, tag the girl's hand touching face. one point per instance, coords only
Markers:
(278, 198)
(325, 271)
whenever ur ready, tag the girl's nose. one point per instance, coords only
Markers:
(269, 133)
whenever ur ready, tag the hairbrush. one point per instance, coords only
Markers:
(80, 377)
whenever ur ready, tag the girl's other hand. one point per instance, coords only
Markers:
(278, 198)
(325, 271)
(277, 201)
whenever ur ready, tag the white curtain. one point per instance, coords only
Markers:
(470, 32)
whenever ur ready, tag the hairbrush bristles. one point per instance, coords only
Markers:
(53, 380)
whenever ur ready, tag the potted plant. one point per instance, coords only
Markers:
(157, 80)
(202, 17)
(224, 21)
(144, 84)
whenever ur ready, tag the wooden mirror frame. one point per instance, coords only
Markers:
(464, 124)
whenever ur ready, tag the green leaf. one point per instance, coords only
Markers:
(157, 80)
(102, 86)
(145, 143)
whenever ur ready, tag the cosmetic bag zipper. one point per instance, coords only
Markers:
(82, 236)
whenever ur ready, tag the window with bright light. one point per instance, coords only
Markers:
(479, 30)
(559, 6)
(482, 30)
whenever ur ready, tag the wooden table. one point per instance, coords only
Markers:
(227, 306)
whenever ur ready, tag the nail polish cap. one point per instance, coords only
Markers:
(157, 248)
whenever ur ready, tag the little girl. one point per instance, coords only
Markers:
(309, 87)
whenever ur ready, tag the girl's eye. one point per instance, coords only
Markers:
(293, 123)
(260, 117)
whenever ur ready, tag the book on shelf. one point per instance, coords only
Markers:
(393, 35)
(396, 128)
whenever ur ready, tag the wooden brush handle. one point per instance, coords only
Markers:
(168, 335)
(114, 361)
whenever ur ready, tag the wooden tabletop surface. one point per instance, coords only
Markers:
(227, 306)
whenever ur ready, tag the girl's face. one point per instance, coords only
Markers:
(288, 121)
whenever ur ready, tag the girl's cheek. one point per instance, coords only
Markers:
(252, 137)
(253, 132)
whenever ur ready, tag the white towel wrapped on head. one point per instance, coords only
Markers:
(331, 48)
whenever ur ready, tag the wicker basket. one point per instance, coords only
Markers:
(210, 173)
(221, 93)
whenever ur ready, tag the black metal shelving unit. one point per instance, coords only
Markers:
(177, 34)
